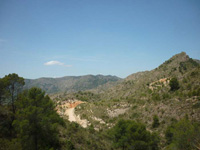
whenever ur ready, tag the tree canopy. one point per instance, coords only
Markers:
(36, 121)
(2, 91)
(183, 135)
(13, 84)
(128, 134)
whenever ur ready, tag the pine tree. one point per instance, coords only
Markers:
(36, 121)
(13, 84)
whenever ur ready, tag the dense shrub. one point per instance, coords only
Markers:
(128, 134)
(174, 84)
(183, 135)
(156, 122)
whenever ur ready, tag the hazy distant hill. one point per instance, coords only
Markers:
(71, 83)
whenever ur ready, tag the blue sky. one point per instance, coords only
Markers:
(54, 38)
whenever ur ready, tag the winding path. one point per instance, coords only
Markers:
(70, 112)
(72, 117)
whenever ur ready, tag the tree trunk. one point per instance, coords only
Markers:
(36, 142)
(12, 99)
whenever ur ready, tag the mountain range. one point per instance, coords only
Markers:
(97, 110)
(143, 95)
(69, 84)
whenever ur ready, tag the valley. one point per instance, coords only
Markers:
(156, 106)
(143, 95)
(99, 75)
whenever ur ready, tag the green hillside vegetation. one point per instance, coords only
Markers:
(128, 134)
(28, 118)
(133, 99)
(183, 134)
(151, 110)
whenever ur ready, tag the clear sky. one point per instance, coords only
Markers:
(54, 38)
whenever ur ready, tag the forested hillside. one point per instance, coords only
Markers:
(151, 110)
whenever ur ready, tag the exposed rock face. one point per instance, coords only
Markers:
(159, 83)
(117, 112)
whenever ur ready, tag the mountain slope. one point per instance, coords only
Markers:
(70, 83)
(142, 97)
(137, 84)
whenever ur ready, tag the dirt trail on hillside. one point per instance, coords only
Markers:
(70, 112)
(72, 117)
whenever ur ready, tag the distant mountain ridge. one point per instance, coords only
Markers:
(70, 83)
